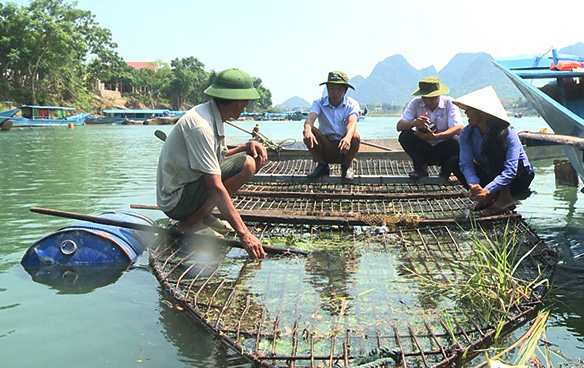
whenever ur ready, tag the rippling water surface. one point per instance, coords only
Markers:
(127, 321)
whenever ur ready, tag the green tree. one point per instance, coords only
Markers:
(150, 84)
(44, 47)
(264, 103)
(187, 83)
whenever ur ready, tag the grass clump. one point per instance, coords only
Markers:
(491, 278)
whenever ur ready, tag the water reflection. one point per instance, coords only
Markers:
(75, 280)
(332, 274)
(195, 344)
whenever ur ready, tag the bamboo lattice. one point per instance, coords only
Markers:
(354, 299)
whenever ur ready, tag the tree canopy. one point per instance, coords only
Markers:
(53, 53)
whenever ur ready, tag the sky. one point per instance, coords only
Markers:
(292, 45)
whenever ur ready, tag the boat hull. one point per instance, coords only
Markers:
(22, 122)
(559, 117)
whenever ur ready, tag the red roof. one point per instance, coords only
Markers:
(143, 64)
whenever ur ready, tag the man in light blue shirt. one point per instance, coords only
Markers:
(335, 140)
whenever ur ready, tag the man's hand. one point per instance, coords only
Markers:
(309, 136)
(478, 193)
(252, 245)
(422, 122)
(256, 150)
(426, 134)
(344, 145)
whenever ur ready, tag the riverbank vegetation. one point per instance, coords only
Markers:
(53, 53)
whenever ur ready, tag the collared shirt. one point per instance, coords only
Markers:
(195, 145)
(332, 121)
(471, 145)
(444, 117)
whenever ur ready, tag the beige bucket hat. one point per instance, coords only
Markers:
(485, 100)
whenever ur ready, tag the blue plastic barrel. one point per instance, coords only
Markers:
(86, 243)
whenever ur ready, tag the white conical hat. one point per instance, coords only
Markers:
(485, 100)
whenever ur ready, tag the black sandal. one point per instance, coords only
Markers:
(417, 175)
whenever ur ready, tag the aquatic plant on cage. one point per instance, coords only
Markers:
(495, 278)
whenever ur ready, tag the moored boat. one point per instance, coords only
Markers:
(47, 116)
(561, 101)
(5, 123)
(134, 116)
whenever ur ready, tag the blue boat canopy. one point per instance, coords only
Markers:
(49, 107)
(122, 111)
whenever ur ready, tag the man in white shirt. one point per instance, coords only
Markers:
(196, 171)
(437, 123)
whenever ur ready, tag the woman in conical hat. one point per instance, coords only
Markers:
(493, 164)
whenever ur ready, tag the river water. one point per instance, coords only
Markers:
(126, 320)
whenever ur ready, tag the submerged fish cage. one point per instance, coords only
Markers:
(381, 286)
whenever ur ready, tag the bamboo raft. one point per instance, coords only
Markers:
(357, 299)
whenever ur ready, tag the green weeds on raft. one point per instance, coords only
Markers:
(491, 278)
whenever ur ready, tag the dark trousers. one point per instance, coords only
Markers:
(519, 185)
(445, 154)
(327, 150)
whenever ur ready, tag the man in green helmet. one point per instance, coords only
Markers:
(196, 171)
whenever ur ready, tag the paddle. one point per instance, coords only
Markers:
(160, 135)
(159, 230)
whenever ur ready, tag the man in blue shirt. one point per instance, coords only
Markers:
(437, 123)
(335, 140)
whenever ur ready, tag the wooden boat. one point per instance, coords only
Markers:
(46, 116)
(5, 123)
(560, 102)
(133, 116)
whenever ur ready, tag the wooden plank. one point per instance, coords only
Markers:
(286, 218)
(367, 196)
(577, 142)
(291, 154)
(359, 179)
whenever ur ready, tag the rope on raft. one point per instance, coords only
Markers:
(260, 137)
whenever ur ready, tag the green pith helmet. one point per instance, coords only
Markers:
(431, 87)
(233, 84)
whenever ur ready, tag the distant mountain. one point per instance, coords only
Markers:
(468, 72)
(577, 49)
(295, 103)
(393, 79)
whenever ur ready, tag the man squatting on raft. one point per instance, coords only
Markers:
(336, 139)
(437, 123)
(197, 173)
